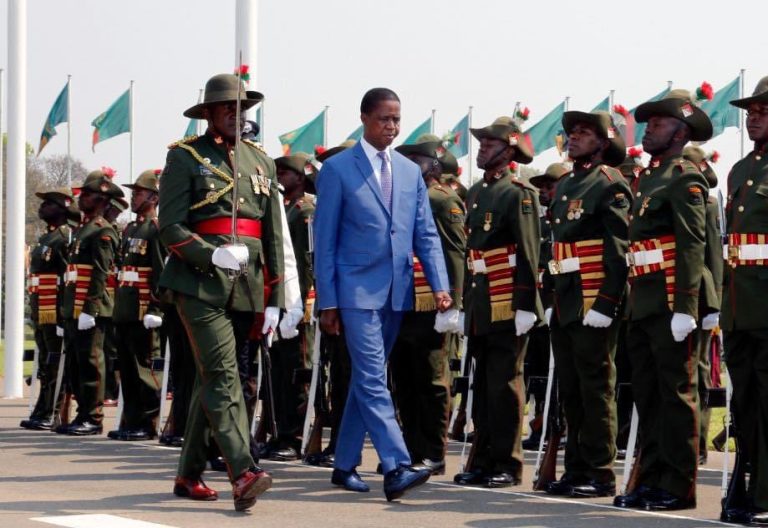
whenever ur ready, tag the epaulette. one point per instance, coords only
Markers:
(185, 140)
(687, 166)
(524, 184)
(612, 173)
(440, 188)
(255, 144)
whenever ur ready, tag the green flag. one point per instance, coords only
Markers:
(639, 128)
(458, 138)
(719, 110)
(603, 105)
(116, 120)
(357, 134)
(424, 128)
(305, 138)
(59, 114)
(543, 135)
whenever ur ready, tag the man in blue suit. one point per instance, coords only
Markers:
(372, 218)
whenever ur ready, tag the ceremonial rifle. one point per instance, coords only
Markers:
(546, 466)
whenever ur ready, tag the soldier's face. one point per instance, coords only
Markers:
(491, 153)
(430, 167)
(49, 210)
(221, 118)
(757, 122)
(660, 134)
(583, 141)
(289, 179)
(89, 201)
(382, 125)
(142, 200)
(546, 191)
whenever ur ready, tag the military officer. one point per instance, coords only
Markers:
(137, 315)
(48, 263)
(710, 298)
(744, 292)
(588, 275)
(667, 247)
(419, 359)
(220, 284)
(86, 304)
(451, 176)
(501, 302)
(292, 353)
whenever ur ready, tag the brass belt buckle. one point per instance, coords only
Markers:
(554, 267)
(733, 252)
(631, 258)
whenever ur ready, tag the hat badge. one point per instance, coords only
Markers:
(686, 110)
(513, 139)
(104, 187)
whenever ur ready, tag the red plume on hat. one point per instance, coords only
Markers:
(109, 172)
(319, 149)
(713, 156)
(620, 114)
(521, 115)
(635, 152)
(512, 166)
(244, 73)
(458, 173)
(704, 92)
(158, 172)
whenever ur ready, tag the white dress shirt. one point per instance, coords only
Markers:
(373, 157)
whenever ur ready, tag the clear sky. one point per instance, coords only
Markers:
(443, 55)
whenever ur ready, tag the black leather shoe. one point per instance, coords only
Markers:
(564, 486)
(85, 429)
(218, 464)
(139, 434)
(36, 424)
(284, 454)
(736, 515)
(265, 450)
(758, 518)
(703, 459)
(501, 480)
(532, 442)
(402, 479)
(634, 498)
(325, 458)
(62, 428)
(665, 501)
(117, 434)
(476, 477)
(594, 488)
(435, 467)
(349, 480)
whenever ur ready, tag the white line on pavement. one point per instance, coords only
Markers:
(98, 521)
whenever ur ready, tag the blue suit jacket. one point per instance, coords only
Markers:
(361, 250)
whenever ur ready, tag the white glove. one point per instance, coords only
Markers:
(710, 321)
(234, 256)
(595, 319)
(682, 325)
(524, 321)
(271, 317)
(447, 321)
(152, 321)
(289, 322)
(59, 331)
(548, 315)
(85, 321)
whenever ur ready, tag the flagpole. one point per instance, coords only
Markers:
(325, 127)
(741, 111)
(69, 132)
(261, 125)
(432, 123)
(130, 127)
(246, 40)
(610, 102)
(469, 143)
(669, 85)
(1, 201)
(16, 192)
(514, 115)
(199, 121)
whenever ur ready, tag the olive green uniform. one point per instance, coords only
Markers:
(218, 312)
(48, 262)
(743, 316)
(290, 355)
(419, 358)
(141, 256)
(501, 212)
(589, 214)
(669, 207)
(91, 258)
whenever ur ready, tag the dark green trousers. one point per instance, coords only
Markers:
(136, 348)
(746, 353)
(664, 385)
(182, 369)
(704, 368)
(217, 409)
(499, 398)
(419, 364)
(49, 352)
(111, 363)
(586, 373)
(288, 356)
(340, 371)
(85, 365)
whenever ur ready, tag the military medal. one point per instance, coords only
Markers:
(255, 184)
(487, 224)
(574, 210)
(644, 205)
(142, 246)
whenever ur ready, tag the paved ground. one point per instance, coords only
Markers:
(53, 480)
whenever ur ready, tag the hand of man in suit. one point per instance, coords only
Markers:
(443, 301)
(330, 322)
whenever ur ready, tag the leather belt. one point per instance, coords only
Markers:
(645, 257)
(746, 252)
(223, 226)
(568, 265)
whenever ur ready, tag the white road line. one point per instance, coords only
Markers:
(98, 520)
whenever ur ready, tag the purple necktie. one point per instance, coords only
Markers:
(386, 179)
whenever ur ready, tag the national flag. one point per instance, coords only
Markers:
(191, 128)
(424, 128)
(640, 127)
(625, 122)
(604, 105)
(722, 114)
(543, 135)
(357, 134)
(59, 114)
(116, 120)
(457, 139)
(305, 138)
